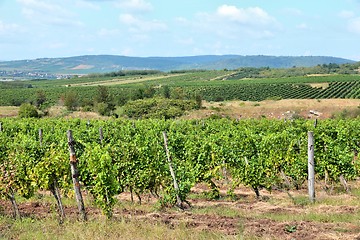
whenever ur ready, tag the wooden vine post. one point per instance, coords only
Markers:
(0, 126)
(311, 167)
(101, 135)
(75, 176)
(172, 172)
(16, 211)
(54, 189)
(40, 137)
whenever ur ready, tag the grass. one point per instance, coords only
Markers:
(97, 229)
(339, 213)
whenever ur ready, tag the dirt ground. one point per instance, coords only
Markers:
(6, 111)
(246, 217)
(278, 109)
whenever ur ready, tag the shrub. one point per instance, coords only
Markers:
(28, 111)
(103, 109)
(158, 108)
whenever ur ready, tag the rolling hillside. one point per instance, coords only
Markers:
(109, 63)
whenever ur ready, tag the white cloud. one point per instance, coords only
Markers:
(250, 16)
(302, 26)
(354, 25)
(292, 11)
(231, 22)
(48, 12)
(182, 21)
(134, 5)
(138, 25)
(346, 14)
(352, 20)
(87, 5)
(104, 32)
(8, 28)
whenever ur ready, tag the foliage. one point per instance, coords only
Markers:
(131, 157)
(27, 110)
(102, 95)
(40, 98)
(166, 91)
(160, 108)
(102, 176)
(71, 101)
(103, 109)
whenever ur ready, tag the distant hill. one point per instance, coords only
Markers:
(109, 63)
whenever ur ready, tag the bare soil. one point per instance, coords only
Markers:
(277, 109)
(246, 217)
(8, 111)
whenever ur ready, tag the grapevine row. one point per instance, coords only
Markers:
(131, 155)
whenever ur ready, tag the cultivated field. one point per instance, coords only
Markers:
(220, 163)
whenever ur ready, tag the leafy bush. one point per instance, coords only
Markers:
(158, 108)
(28, 111)
(103, 109)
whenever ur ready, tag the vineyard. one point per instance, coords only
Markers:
(129, 156)
(260, 92)
(210, 85)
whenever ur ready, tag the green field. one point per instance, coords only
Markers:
(213, 85)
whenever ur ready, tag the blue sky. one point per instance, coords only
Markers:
(32, 29)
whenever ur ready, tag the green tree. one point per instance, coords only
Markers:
(71, 100)
(40, 98)
(166, 91)
(102, 95)
(103, 101)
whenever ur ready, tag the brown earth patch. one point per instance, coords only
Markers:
(276, 109)
(8, 111)
(82, 66)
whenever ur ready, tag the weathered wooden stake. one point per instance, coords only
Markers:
(101, 133)
(75, 176)
(225, 172)
(0, 126)
(311, 167)
(287, 182)
(344, 183)
(16, 211)
(176, 186)
(40, 136)
(56, 193)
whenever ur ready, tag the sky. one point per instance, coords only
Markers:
(31, 29)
